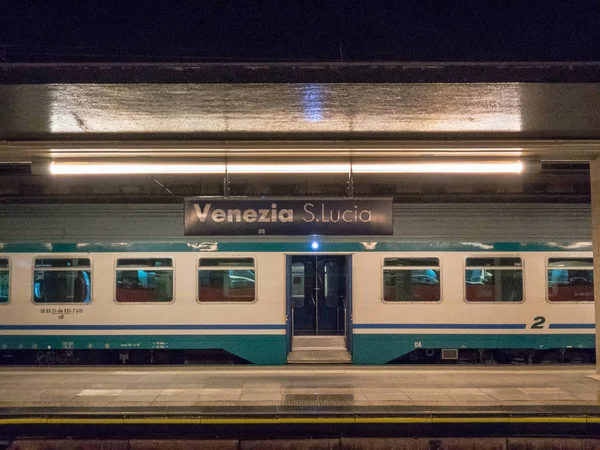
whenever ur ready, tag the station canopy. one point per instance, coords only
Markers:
(342, 111)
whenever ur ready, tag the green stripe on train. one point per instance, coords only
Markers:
(258, 349)
(374, 349)
(382, 348)
(349, 245)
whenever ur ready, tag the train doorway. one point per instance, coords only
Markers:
(319, 305)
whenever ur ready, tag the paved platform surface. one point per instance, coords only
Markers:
(261, 389)
(298, 401)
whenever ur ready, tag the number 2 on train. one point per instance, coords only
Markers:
(538, 322)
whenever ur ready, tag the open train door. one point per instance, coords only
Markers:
(319, 308)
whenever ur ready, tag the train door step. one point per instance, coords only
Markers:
(319, 350)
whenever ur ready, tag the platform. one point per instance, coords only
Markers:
(313, 400)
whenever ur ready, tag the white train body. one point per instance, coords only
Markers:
(260, 329)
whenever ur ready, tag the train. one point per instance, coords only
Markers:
(455, 283)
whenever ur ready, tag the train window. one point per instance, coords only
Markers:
(332, 278)
(494, 280)
(231, 262)
(160, 263)
(298, 278)
(62, 280)
(494, 262)
(226, 280)
(415, 262)
(570, 280)
(411, 280)
(144, 280)
(4, 280)
(54, 263)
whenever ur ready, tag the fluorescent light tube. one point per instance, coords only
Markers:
(126, 168)
(440, 167)
(275, 168)
(99, 168)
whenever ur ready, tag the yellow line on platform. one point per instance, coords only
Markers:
(87, 421)
(392, 420)
(292, 420)
(163, 421)
(240, 421)
(471, 420)
(24, 420)
(286, 420)
(548, 420)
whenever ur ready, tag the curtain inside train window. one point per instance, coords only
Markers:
(570, 280)
(62, 280)
(226, 280)
(494, 279)
(144, 280)
(4, 280)
(411, 280)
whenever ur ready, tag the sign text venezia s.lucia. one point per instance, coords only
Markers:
(288, 216)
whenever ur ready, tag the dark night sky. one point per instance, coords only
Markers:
(258, 30)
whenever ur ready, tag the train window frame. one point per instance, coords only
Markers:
(254, 266)
(415, 302)
(116, 268)
(8, 269)
(488, 255)
(546, 267)
(63, 256)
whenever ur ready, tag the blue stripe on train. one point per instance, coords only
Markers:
(144, 327)
(442, 326)
(371, 326)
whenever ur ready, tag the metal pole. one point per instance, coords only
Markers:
(345, 322)
(350, 181)
(317, 295)
(226, 180)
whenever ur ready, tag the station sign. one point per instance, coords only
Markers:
(288, 216)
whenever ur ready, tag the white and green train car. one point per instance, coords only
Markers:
(471, 281)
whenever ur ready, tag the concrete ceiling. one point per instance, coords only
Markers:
(136, 110)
